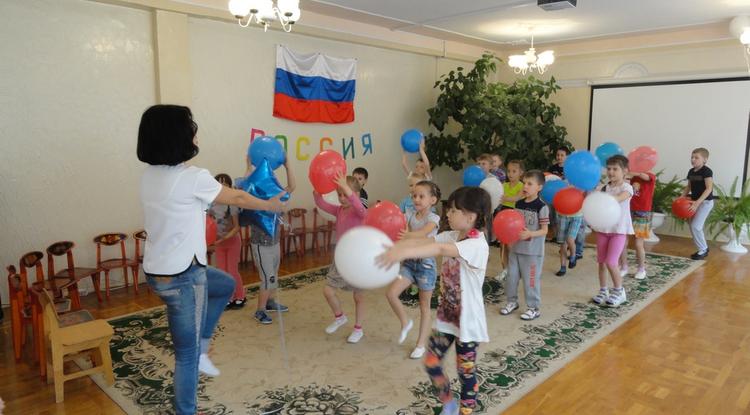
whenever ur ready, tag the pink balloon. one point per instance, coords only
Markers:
(643, 159)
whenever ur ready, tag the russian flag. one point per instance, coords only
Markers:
(314, 87)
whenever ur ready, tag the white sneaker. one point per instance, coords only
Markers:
(356, 336)
(338, 322)
(623, 272)
(417, 353)
(601, 296)
(405, 331)
(640, 275)
(206, 366)
(616, 297)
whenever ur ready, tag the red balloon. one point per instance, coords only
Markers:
(508, 225)
(568, 201)
(681, 208)
(323, 170)
(387, 217)
(210, 230)
(643, 159)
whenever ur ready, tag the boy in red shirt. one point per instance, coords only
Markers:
(640, 211)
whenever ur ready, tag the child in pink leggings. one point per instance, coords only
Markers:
(611, 241)
(228, 243)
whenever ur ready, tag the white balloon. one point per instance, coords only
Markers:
(551, 177)
(493, 186)
(601, 211)
(355, 258)
(332, 198)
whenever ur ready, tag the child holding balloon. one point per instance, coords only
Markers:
(422, 223)
(640, 213)
(512, 192)
(700, 188)
(422, 166)
(527, 255)
(351, 213)
(610, 241)
(266, 252)
(461, 317)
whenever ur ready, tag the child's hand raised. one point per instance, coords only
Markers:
(342, 184)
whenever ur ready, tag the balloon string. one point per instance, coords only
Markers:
(282, 336)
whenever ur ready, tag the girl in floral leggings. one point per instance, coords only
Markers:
(461, 317)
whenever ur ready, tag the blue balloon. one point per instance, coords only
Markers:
(267, 148)
(583, 170)
(263, 185)
(473, 176)
(410, 140)
(607, 150)
(550, 189)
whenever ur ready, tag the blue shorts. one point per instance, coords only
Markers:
(569, 227)
(421, 272)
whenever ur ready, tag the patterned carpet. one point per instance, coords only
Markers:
(306, 371)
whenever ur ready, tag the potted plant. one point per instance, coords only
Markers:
(664, 194)
(730, 214)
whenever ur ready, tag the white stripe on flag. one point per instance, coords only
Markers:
(316, 64)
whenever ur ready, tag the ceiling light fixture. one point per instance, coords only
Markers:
(263, 12)
(530, 60)
(740, 28)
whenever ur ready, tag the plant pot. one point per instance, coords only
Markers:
(733, 246)
(657, 219)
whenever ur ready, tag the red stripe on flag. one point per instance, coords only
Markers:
(301, 110)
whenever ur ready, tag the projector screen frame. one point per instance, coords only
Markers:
(675, 82)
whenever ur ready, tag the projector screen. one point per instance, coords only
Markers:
(676, 117)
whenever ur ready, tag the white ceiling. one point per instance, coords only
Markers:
(510, 21)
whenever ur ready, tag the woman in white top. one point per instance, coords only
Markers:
(175, 197)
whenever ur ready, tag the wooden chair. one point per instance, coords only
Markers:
(20, 310)
(71, 272)
(324, 231)
(297, 235)
(140, 238)
(72, 334)
(107, 265)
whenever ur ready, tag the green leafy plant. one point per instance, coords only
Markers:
(515, 120)
(729, 210)
(665, 193)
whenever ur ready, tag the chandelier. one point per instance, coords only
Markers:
(263, 12)
(530, 60)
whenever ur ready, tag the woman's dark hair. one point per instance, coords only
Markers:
(165, 136)
(475, 200)
(223, 178)
(432, 187)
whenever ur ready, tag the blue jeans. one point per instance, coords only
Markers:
(195, 300)
(580, 238)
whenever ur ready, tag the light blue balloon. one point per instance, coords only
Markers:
(550, 189)
(582, 170)
(410, 140)
(267, 148)
(473, 176)
(607, 150)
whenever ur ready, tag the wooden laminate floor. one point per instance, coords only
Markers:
(686, 353)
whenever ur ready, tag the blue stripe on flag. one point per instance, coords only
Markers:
(313, 87)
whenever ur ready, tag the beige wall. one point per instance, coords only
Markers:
(78, 74)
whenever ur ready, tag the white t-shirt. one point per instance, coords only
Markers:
(461, 309)
(624, 226)
(175, 199)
